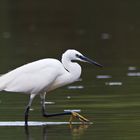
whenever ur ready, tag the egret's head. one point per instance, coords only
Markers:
(77, 56)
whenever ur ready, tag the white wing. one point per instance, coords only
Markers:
(33, 77)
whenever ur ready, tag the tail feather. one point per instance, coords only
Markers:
(3, 82)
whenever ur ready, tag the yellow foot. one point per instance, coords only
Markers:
(80, 117)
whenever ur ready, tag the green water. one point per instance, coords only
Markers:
(107, 31)
(113, 109)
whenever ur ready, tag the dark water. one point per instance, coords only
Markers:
(111, 104)
(107, 31)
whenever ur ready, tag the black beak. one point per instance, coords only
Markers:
(89, 60)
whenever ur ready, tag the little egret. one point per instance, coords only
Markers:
(43, 76)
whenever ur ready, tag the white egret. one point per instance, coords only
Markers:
(45, 75)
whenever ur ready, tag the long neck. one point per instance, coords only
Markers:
(73, 68)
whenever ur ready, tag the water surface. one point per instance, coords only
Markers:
(113, 109)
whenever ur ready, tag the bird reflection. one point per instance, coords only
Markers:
(75, 130)
(79, 130)
(26, 128)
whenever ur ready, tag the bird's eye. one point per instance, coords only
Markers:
(77, 55)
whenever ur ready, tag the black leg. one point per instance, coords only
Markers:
(51, 115)
(55, 114)
(42, 96)
(26, 114)
(73, 114)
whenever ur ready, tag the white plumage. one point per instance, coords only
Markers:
(39, 76)
(43, 76)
